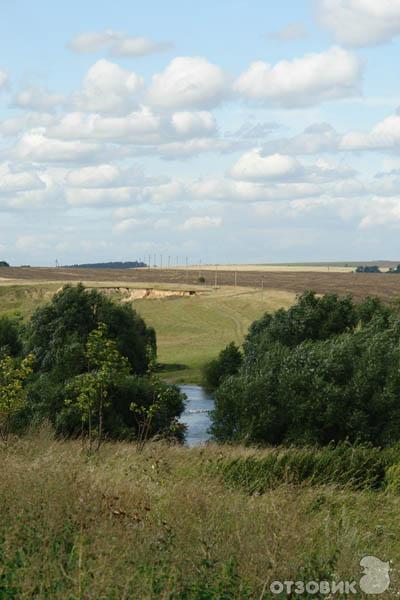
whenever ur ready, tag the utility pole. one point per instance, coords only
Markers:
(235, 278)
(216, 276)
(149, 264)
(262, 290)
(187, 270)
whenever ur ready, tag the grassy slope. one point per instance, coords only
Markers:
(192, 331)
(157, 524)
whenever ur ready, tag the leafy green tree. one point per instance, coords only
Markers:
(12, 391)
(228, 363)
(91, 389)
(58, 332)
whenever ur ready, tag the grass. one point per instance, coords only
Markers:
(122, 524)
(190, 330)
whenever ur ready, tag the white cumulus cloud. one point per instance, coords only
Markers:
(252, 166)
(189, 82)
(306, 81)
(361, 22)
(108, 88)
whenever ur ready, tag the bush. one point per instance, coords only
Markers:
(10, 331)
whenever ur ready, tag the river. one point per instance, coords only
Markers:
(197, 414)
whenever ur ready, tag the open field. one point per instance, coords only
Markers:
(359, 285)
(191, 330)
(123, 524)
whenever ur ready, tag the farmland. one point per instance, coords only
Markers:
(384, 285)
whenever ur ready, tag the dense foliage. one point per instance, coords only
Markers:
(324, 370)
(94, 357)
(227, 363)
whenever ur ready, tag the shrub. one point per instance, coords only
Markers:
(10, 340)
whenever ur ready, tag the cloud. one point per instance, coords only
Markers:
(35, 146)
(141, 126)
(15, 125)
(382, 211)
(108, 88)
(361, 22)
(14, 180)
(201, 223)
(37, 98)
(189, 82)
(315, 139)
(194, 124)
(138, 46)
(385, 135)
(335, 73)
(127, 225)
(3, 79)
(119, 44)
(252, 166)
(109, 176)
(293, 31)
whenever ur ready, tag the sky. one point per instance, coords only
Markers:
(224, 131)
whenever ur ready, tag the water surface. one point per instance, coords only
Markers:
(197, 414)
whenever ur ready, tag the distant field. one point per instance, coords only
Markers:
(282, 268)
(384, 285)
(191, 330)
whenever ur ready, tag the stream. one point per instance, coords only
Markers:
(197, 414)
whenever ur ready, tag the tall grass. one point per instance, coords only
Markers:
(355, 467)
(122, 524)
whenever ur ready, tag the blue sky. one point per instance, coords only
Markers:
(230, 132)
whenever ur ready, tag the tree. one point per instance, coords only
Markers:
(58, 332)
(91, 390)
(3, 263)
(12, 391)
(228, 363)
